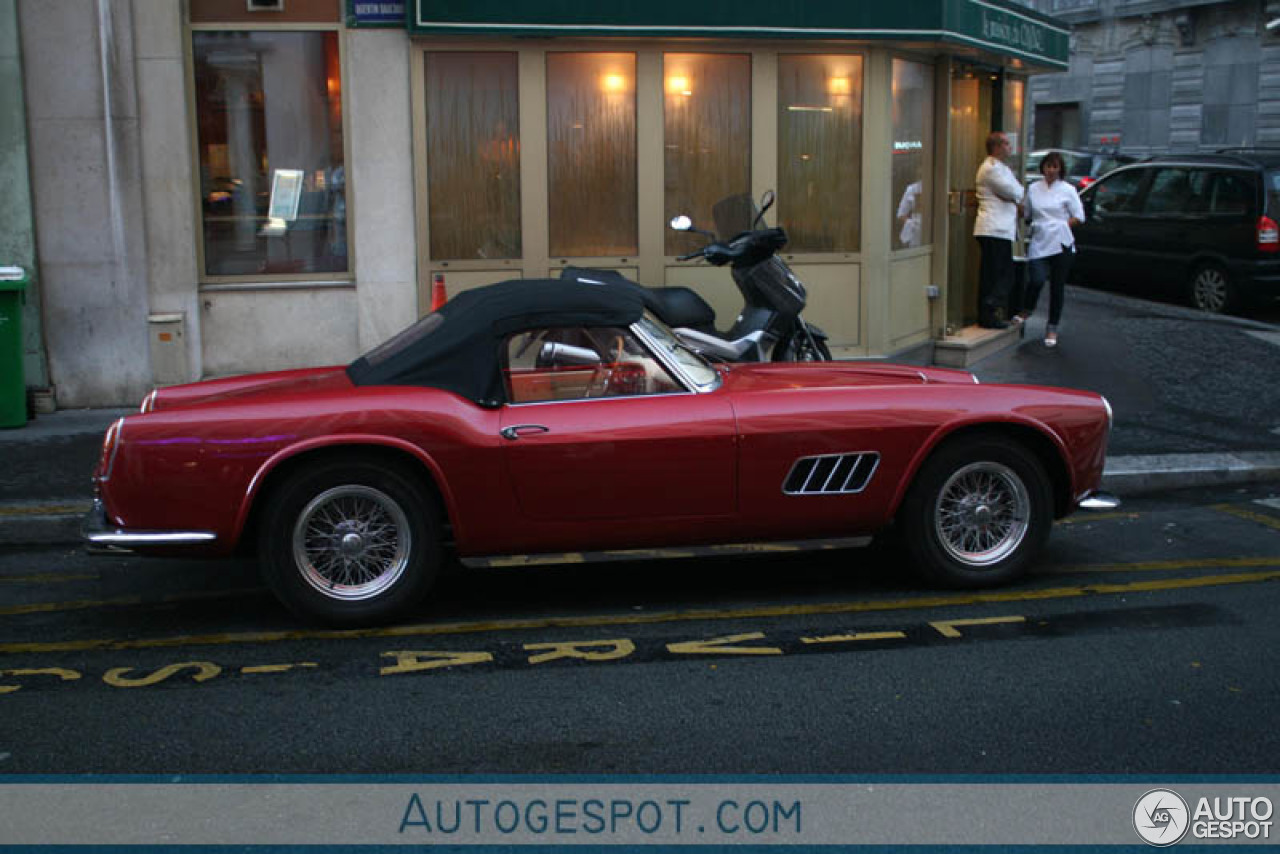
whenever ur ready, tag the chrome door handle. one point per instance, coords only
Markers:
(514, 431)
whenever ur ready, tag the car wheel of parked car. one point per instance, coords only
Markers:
(351, 543)
(977, 512)
(1211, 289)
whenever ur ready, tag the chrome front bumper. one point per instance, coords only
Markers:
(94, 529)
(1099, 500)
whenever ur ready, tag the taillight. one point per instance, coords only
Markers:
(1268, 235)
(1086, 181)
(110, 445)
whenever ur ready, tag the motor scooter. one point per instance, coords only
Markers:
(769, 327)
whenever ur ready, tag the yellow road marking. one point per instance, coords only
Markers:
(760, 612)
(45, 509)
(1062, 569)
(856, 636)
(276, 668)
(720, 646)
(947, 628)
(1241, 512)
(599, 650)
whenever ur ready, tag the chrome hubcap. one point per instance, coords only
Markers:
(982, 514)
(351, 542)
(1211, 290)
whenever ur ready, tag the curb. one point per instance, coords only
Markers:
(1143, 474)
(42, 523)
(57, 522)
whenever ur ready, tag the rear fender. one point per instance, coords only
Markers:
(354, 441)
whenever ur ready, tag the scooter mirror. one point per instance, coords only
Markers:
(681, 223)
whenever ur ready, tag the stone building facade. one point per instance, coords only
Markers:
(1152, 76)
(1155, 76)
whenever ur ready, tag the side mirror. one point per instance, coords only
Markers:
(681, 223)
(766, 202)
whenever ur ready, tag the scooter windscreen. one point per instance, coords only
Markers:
(775, 285)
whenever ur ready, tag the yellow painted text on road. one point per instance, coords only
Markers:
(601, 650)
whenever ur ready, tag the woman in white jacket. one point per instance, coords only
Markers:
(1054, 207)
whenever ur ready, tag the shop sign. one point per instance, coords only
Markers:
(1001, 27)
(376, 13)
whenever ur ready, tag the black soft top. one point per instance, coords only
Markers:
(458, 347)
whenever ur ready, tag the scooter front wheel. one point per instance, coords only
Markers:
(802, 346)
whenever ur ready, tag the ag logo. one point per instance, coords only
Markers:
(1160, 817)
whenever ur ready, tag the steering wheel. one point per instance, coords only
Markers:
(602, 377)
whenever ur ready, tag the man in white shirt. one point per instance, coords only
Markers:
(999, 193)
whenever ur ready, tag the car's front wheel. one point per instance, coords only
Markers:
(977, 512)
(350, 543)
(1211, 289)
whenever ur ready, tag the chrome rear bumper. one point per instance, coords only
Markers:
(94, 529)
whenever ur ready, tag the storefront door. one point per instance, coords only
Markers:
(981, 101)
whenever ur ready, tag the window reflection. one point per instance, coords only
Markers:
(707, 120)
(591, 154)
(820, 152)
(269, 117)
(912, 156)
(473, 155)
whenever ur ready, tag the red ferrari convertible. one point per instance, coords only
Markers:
(547, 416)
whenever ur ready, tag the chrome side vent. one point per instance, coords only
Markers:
(832, 474)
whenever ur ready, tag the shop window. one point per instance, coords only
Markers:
(473, 155)
(591, 154)
(820, 152)
(912, 156)
(269, 132)
(707, 134)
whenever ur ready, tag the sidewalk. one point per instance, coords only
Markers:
(1196, 400)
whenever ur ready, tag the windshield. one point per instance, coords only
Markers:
(693, 366)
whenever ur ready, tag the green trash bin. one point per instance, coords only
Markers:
(13, 385)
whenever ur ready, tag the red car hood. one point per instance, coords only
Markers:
(275, 384)
(765, 377)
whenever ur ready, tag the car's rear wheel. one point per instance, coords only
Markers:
(977, 512)
(351, 543)
(1211, 289)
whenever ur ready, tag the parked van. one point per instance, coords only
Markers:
(1203, 224)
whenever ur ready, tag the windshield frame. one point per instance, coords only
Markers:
(697, 374)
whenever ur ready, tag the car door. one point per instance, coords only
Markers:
(596, 428)
(1105, 240)
(1169, 230)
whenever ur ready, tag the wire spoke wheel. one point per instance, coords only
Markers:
(982, 514)
(351, 542)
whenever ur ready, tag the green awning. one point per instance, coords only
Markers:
(998, 27)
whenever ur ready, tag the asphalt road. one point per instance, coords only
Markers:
(1143, 643)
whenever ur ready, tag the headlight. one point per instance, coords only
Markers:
(110, 447)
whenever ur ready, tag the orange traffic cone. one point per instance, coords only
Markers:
(438, 295)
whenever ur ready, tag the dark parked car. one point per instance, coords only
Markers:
(1082, 167)
(1201, 224)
